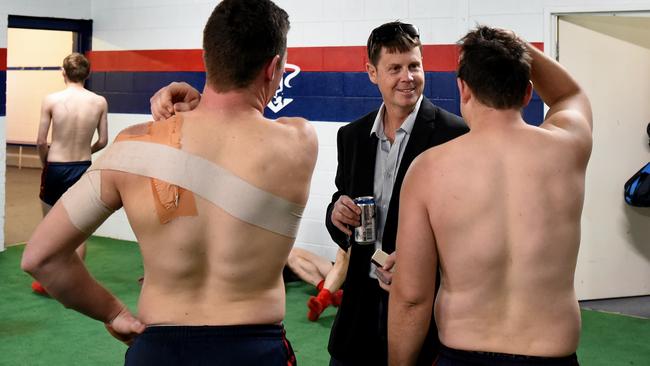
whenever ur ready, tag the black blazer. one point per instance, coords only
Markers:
(359, 332)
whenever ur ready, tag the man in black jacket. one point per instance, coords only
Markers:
(374, 153)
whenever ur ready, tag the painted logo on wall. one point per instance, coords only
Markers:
(279, 101)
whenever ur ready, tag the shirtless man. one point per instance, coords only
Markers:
(502, 217)
(214, 197)
(74, 114)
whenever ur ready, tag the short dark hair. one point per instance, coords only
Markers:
(395, 37)
(240, 37)
(495, 64)
(76, 67)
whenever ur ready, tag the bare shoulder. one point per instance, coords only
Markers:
(96, 98)
(301, 134)
(52, 98)
(298, 125)
(135, 130)
(423, 165)
(101, 100)
(572, 127)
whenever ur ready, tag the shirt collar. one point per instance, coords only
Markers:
(407, 125)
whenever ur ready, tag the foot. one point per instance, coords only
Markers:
(315, 308)
(337, 297)
(36, 287)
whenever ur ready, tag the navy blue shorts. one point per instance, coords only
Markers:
(58, 177)
(240, 345)
(454, 357)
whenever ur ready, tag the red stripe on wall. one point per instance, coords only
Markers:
(351, 58)
(335, 59)
(147, 60)
(440, 57)
(3, 59)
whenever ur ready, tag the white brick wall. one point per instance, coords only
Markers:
(74, 9)
(177, 24)
(432, 9)
(482, 7)
(525, 24)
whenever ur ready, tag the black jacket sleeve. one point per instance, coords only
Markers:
(337, 235)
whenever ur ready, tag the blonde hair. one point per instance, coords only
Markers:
(76, 67)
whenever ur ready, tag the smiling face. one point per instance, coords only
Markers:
(400, 78)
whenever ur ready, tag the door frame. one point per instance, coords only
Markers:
(83, 28)
(551, 46)
(553, 14)
(82, 43)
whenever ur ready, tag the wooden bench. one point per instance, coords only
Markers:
(25, 149)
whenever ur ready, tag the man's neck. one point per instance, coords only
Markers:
(73, 85)
(483, 117)
(394, 118)
(233, 100)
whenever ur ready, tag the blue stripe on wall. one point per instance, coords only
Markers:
(33, 68)
(317, 96)
(3, 93)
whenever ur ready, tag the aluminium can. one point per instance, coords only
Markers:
(366, 233)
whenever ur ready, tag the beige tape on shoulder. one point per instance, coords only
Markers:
(206, 179)
(84, 205)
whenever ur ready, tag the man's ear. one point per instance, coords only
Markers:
(529, 93)
(372, 72)
(272, 68)
(464, 91)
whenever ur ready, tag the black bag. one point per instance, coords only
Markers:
(637, 188)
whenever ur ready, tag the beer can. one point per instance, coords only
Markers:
(367, 232)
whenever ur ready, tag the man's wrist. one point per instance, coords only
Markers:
(119, 309)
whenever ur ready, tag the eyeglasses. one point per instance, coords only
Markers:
(389, 31)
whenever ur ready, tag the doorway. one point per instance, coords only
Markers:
(609, 55)
(36, 47)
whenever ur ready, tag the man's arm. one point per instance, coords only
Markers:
(43, 129)
(413, 286)
(50, 258)
(102, 129)
(569, 107)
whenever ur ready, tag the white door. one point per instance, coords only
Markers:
(610, 58)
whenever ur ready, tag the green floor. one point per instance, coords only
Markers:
(35, 330)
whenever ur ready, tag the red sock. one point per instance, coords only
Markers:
(337, 297)
(325, 297)
(320, 285)
(38, 288)
(317, 304)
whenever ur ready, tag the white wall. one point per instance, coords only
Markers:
(76, 9)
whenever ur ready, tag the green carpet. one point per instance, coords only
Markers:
(35, 330)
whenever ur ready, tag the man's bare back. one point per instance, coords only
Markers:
(74, 114)
(498, 211)
(214, 269)
(508, 246)
(214, 196)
